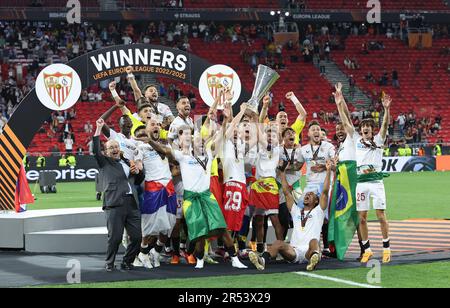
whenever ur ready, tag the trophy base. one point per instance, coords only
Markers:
(251, 112)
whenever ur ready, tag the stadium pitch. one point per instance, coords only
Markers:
(415, 200)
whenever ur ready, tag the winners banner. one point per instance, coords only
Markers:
(58, 87)
(409, 164)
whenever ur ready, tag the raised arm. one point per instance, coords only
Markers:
(344, 114)
(161, 149)
(101, 160)
(262, 136)
(136, 91)
(287, 191)
(300, 109)
(387, 115)
(106, 130)
(326, 186)
(265, 109)
(120, 103)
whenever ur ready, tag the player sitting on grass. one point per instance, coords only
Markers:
(308, 222)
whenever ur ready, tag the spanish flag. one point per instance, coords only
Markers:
(264, 194)
(215, 185)
(343, 215)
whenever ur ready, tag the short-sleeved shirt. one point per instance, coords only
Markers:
(367, 155)
(296, 155)
(347, 149)
(156, 168)
(195, 178)
(298, 128)
(233, 161)
(137, 123)
(128, 146)
(176, 124)
(267, 162)
(325, 151)
(313, 227)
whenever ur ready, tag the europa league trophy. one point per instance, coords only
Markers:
(265, 79)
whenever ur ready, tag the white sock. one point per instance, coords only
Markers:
(200, 263)
(385, 241)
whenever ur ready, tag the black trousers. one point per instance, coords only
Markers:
(126, 217)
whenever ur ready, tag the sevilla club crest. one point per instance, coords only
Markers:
(58, 86)
(214, 79)
(217, 82)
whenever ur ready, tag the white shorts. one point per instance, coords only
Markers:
(300, 254)
(365, 192)
(179, 190)
(263, 212)
(179, 207)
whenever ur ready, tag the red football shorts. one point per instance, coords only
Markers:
(235, 201)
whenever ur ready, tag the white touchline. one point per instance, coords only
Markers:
(362, 285)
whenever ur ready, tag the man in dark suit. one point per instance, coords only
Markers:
(120, 201)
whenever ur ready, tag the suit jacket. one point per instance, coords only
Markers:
(114, 181)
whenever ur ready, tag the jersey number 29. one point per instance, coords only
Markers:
(234, 201)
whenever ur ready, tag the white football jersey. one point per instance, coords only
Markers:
(176, 124)
(296, 155)
(156, 168)
(368, 156)
(313, 227)
(347, 149)
(195, 178)
(234, 167)
(163, 110)
(267, 162)
(128, 146)
(325, 151)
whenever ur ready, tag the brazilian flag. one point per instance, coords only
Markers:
(343, 215)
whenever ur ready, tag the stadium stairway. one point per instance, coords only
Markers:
(334, 75)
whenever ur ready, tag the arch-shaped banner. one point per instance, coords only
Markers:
(92, 67)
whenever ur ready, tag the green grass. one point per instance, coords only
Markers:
(69, 195)
(409, 195)
(428, 275)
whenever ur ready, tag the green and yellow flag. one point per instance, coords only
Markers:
(343, 215)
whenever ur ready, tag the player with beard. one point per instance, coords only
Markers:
(160, 201)
(369, 156)
(150, 93)
(315, 154)
(201, 210)
(183, 118)
(145, 109)
(308, 221)
(282, 117)
(290, 155)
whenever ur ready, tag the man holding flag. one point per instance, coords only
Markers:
(343, 215)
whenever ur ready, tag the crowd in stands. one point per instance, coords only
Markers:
(26, 47)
